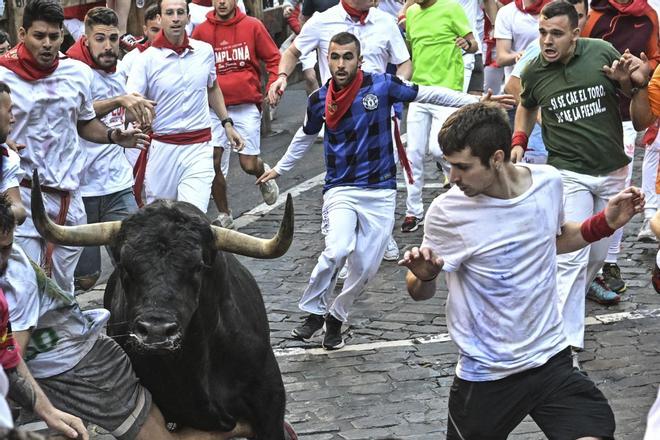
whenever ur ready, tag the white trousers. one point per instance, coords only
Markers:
(629, 136)
(64, 258)
(423, 125)
(357, 224)
(180, 172)
(584, 196)
(649, 174)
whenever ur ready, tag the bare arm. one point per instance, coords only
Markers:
(505, 56)
(640, 110)
(404, 70)
(423, 268)
(513, 87)
(139, 108)
(467, 43)
(287, 64)
(95, 131)
(490, 9)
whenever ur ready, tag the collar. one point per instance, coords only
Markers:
(347, 17)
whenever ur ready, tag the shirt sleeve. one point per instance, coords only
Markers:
(137, 77)
(503, 24)
(309, 37)
(531, 52)
(22, 292)
(268, 52)
(210, 61)
(398, 51)
(460, 24)
(444, 96)
(11, 170)
(443, 237)
(86, 111)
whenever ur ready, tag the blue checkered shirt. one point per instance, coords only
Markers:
(359, 151)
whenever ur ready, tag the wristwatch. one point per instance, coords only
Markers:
(227, 120)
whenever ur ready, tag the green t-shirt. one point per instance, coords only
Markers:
(432, 32)
(582, 127)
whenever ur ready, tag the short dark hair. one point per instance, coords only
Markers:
(49, 11)
(160, 2)
(7, 217)
(4, 37)
(100, 15)
(4, 88)
(151, 13)
(559, 8)
(483, 127)
(585, 3)
(344, 38)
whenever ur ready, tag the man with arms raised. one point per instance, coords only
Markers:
(514, 358)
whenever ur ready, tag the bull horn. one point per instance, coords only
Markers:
(243, 244)
(95, 234)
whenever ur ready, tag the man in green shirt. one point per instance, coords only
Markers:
(583, 133)
(438, 32)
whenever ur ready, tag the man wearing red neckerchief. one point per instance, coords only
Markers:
(179, 73)
(107, 179)
(360, 183)
(241, 44)
(150, 28)
(53, 106)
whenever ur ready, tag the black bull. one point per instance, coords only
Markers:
(189, 315)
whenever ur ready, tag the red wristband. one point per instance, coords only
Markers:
(595, 228)
(520, 138)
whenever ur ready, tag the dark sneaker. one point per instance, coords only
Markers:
(411, 223)
(332, 339)
(601, 293)
(612, 277)
(307, 329)
(655, 278)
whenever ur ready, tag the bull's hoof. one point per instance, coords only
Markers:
(289, 433)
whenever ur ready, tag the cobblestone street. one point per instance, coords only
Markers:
(392, 379)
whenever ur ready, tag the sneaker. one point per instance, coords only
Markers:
(601, 293)
(332, 339)
(646, 235)
(307, 329)
(411, 223)
(392, 251)
(128, 42)
(343, 273)
(269, 190)
(612, 277)
(655, 278)
(224, 220)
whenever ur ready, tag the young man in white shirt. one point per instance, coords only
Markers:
(179, 73)
(502, 306)
(107, 178)
(53, 107)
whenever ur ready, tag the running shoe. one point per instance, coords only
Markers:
(601, 293)
(612, 277)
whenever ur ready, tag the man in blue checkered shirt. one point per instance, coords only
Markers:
(360, 185)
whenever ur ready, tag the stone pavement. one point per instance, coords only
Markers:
(392, 380)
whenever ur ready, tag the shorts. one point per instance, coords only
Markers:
(477, 77)
(102, 389)
(247, 122)
(563, 402)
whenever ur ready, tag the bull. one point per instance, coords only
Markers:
(189, 315)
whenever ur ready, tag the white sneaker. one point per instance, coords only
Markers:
(224, 220)
(269, 190)
(645, 233)
(392, 251)
(343, 273)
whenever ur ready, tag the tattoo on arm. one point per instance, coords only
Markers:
(21, 390)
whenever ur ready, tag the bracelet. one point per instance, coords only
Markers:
(595, 228)
(284, 74)
(519, 138)
(430, 279)
(109, 134)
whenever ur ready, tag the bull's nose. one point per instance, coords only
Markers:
(155, 330)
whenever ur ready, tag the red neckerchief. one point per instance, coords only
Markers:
(356, 14)
(141, 47)
(337, 102)
(206, 3)
(79, 51)
(161, 41)
(633, 7)
(534, 9)
(20, 61)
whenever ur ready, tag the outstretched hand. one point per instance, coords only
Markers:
(505, 101)
(629, 68)
(623, 206)
(422, 262)
(268, 175)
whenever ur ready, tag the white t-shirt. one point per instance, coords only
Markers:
(11, 170)
(531, 52)
(472, 10)
(124, 68)
(62, 334)
(380, 38)
(106, 169)
(392, 7)
(47, 112)
(502, 307)
(512, 24)
(179, 85)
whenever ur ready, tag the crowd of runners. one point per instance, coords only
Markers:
(532, 111)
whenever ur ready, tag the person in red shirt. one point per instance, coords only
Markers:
(241, 44)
